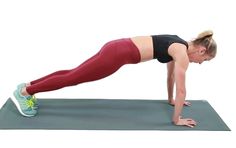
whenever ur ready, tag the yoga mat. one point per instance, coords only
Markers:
(109, 114)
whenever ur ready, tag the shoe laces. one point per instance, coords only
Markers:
(30, 103)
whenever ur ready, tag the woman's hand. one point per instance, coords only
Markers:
(186, 103)
(186, 122)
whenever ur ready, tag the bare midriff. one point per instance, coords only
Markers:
(145, 46)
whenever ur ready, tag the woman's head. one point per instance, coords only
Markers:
(204, 47)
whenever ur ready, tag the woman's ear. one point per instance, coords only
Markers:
(202, 50)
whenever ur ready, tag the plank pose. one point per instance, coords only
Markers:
(170, 49)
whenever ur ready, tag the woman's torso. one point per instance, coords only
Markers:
(157, 46)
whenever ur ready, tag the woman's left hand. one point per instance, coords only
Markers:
(186, 103)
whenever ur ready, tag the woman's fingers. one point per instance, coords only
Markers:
(190, 123)
(186, 122)
(186, 103)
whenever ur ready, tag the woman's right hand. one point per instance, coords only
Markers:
(186, 122)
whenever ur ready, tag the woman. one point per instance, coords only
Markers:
(170, 49)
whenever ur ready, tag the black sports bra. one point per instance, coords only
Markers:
(161, 44)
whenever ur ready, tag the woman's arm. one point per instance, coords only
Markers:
(179, 54)
(180, 69)
(170, 82)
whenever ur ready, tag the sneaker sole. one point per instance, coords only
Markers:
(18, 107)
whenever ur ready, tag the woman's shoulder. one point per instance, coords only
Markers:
(177, 50)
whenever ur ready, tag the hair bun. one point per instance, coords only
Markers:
(207, 33)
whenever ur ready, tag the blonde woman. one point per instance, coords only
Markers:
(170, 49)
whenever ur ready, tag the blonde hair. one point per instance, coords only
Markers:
(205, 39)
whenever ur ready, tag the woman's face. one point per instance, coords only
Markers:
(199, 56)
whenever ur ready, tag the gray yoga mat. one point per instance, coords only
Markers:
(109, 114)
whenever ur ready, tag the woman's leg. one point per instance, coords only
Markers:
(61, 72)
(111, 57)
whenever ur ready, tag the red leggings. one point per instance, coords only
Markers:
(108, 60)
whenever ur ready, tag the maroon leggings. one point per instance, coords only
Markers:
(108, 60)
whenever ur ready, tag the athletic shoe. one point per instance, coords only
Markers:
(24, 104)
(33, 98)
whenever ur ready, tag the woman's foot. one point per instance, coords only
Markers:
(33, 98)
(23, 103)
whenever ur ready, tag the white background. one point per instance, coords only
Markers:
(40, 37)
